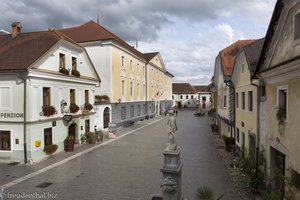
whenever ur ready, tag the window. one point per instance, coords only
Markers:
(122, 61)
(192, 97)
(180, 96)
(138, 68)
(72, 96)
(131, 69)
(5, 98)
(144, 70)
(131, 111)
(123, 112)
(282, 100)
(243, 100)
(203, 98)
(123, 88)
(138, 89)
(250, 101)
(173, 97)
(297, 26)
(87, 125)
(243, 139)
(74, 63)
(144, 90)
(145, 108)
(5, 141)
(225, 101)
(86, 96)
(46, 96)
(243, 66)
(131, 89)
(237, 137)
(62, 60)
(138, 110)
(47, 136)
(237, 100)
(187, 96)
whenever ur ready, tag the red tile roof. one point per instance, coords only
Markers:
(201, 88)
(20, 52)
(92, 31)
(183, 88)
(228, 55)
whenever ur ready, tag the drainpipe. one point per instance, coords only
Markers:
(258, 122)
(24, 119)
(229, 84)
(146, 88)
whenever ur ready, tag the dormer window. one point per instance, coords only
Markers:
(297, 26)
(62, 60)
(74, 63)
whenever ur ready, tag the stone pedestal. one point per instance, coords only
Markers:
(172, 175)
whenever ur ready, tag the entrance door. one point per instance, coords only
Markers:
(106, 117)
(280, 173)
(72, 130)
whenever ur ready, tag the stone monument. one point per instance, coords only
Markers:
(172, 166)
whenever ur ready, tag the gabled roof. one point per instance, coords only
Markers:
(252, 52)
(201, 88)
(228, 54)
(149, 56)
(92, 31)
(20, 52)
(270, 32)
(183, 88)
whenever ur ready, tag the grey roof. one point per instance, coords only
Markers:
(252, 52)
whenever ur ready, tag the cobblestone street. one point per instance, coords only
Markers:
(129, 168)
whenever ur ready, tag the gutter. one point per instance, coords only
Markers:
(258, 122)
(24, 119)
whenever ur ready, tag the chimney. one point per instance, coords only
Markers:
(16, 28)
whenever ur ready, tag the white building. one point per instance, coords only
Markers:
(184, 95)
(39, 80)
(203, 96)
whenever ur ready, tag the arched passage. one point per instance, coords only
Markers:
(106, 117)
(72, 130)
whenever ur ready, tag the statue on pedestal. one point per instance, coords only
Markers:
(172, 146)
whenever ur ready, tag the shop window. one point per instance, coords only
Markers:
(47, 136)
(5, 141)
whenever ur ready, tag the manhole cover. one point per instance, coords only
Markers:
(44, 185)
(14, 163)
(220, 147)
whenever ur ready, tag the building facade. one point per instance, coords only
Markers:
(52, 77)
(184, 95)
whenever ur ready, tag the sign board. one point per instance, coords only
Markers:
(67, 119)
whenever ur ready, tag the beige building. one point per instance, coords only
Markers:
(279, 70)
(137, 84)
(246, 109)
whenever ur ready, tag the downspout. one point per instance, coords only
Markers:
(24, 119)
(229, 84)
(258, 123)
(146, 88)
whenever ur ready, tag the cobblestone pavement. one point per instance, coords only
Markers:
(129, 168)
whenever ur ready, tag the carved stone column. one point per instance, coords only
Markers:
(171, 171)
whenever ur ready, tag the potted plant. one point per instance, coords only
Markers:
(50, 149)
(82, 138)
(91, 137)
(281, 117)
(88, 106)
(206, 193)
(74, 108)
(75, 72)
(64, 71)
(69, 143)
(99, 136)
(48, 111)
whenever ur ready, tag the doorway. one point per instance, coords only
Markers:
(106, 117)
(72, 131)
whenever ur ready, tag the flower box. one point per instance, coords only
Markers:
(50, 149)
(88, 106)
(64, 71)
(74, 108)
(75, 72)
(48, 111)
(101, 99)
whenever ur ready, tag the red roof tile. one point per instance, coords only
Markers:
(92, 31)
(18, 53)
(201, 88)
(151, 55)
(228, 55)
(183, 88)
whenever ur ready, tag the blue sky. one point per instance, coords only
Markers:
(188, 34)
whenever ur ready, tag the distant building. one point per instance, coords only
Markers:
(184, 95)
(203, 96)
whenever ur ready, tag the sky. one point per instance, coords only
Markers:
(187, 33)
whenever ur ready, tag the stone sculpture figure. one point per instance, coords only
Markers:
(172, 146)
